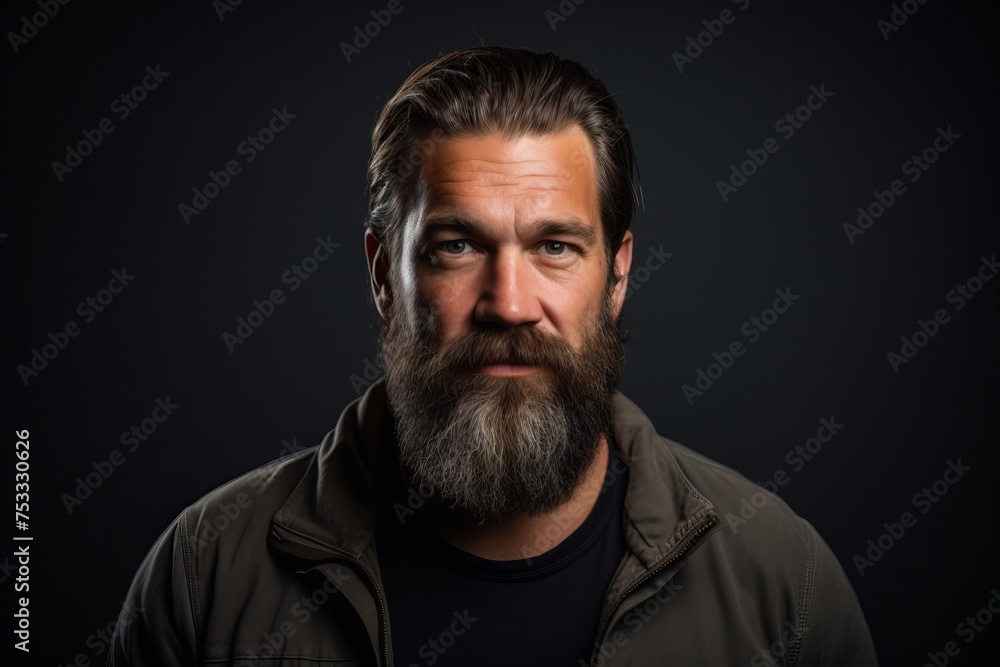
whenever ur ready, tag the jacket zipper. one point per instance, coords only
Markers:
(649, 574)
(358, 565)
(382, 626)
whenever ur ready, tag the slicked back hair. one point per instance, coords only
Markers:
(508, 92)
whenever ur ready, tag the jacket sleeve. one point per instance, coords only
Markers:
(157, 623)
(835, 632)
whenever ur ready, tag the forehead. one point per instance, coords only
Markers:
(514, 179)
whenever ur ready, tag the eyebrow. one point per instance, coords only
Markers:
(563, 227)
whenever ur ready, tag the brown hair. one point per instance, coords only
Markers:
(511, 92)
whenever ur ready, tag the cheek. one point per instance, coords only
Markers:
(449, 305)
(576, 314)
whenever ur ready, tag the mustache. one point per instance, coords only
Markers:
(517, 345)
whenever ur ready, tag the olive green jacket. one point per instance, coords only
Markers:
(279, 568)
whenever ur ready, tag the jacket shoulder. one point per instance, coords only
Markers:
(780, 557)
(738, 501)
(164, 618)
(241, 509)
(761, 541)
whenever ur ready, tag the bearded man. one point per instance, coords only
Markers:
(495, 500)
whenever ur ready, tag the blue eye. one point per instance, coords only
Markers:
(558, 246)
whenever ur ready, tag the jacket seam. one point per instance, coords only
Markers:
(279, 516)
(806, 600)
(191, 576)
(698, 459)
(679, 472)
(774, 499)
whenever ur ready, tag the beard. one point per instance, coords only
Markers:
(495, 446)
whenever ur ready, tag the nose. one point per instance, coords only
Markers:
(509, 293)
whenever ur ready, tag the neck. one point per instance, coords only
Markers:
(518, 535)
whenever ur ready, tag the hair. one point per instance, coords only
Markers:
(497, 90)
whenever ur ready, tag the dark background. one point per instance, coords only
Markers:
(286, 385)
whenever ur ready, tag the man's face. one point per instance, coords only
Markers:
(501, 343)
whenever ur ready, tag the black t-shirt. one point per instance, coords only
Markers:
(448, 607)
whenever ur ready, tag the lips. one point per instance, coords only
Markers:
(507, 369)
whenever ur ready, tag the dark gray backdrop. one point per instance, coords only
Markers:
(222, 73)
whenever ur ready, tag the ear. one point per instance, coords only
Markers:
(378, 271)
(623, 264)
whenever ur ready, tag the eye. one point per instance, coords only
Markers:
(456, 247)
(556, 248)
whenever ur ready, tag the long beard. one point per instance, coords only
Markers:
(494, 446)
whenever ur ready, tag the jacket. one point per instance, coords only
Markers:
(278, 567)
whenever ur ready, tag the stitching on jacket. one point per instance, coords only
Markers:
(675, 449)
(773, 499)
(804, 602)
(191, 577)
(678, 473)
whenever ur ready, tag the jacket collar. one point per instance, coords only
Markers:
(331, 512)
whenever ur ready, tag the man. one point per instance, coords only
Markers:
(495, 500)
